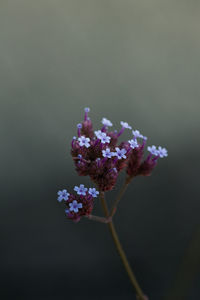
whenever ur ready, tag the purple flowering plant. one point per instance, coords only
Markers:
(99, 155)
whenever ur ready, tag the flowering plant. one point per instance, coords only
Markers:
(98, 154)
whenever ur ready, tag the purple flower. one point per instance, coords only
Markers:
(125, 125)
(93, 192)
(120, 153)
(133, 144)
(106, 122)
(137, 134)
(162, 152)
(153, 150)
(105, 139)
(87, 109)
(102, 136)
(74, 206)
(99, 134)
(79, 125)
(63, 195)
(83, 141)
(81, 190)
(107, 153)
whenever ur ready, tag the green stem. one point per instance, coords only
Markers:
(121, 252)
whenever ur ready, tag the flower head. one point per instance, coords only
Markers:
(83, 141)
(63, 195)
(93, 192)
(153, 150)
(106, 122)
(125, 125)
(81, 190)
(162, 152)
(133, 144)
(86, 109)
(107, 153)
(98, 154)
(120, 153)
(74, 206)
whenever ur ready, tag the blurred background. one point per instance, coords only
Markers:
(134, 61)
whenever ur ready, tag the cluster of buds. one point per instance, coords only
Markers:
(98, 154)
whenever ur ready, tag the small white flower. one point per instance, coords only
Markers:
(104, 138)
(86, 109)
(125, 125)
(99, 133)
(74, 206)
(153, 150)
(81, 190)
(93, 192)
(83, 141)
(106, 122)
(137, 134)
(63, 195)
(107, 153)
(133, 144)
(120, 153)
(162, 152)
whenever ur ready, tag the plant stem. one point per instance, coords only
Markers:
(98, 219)
(122, 191)
(121, 252)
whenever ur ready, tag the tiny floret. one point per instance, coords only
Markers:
(74, 206)
(125, 125)
(153, 150)
(87, 109)
(79, 125)
(133, 143)
(79, 156)
(63, 195)
(93, 192)
(106, 122)
(74, 138)
(83, 141)
(99, 133)
(81, 190)
(120, 153)
(137, 134)
(162, 152)
(107, 153)
(104, 138)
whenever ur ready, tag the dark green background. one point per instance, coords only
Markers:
(135, 61)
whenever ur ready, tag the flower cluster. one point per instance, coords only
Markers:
(80, 204)
(98, 154)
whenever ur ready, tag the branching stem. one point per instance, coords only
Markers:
(121, 193)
